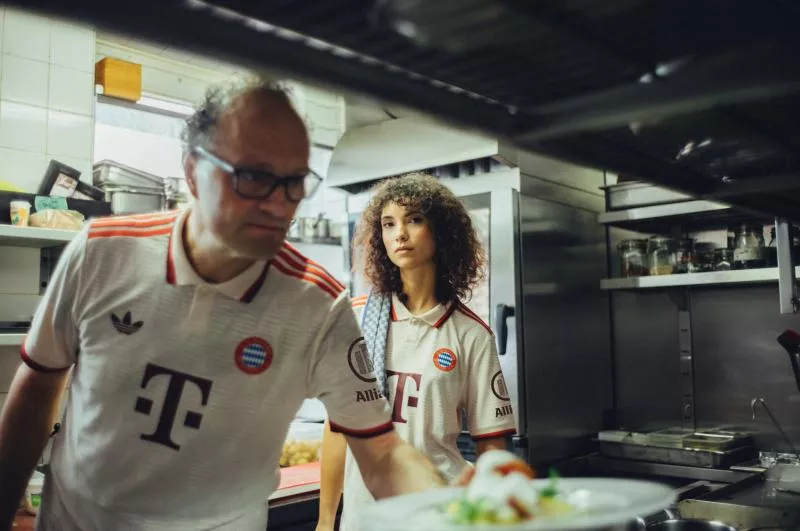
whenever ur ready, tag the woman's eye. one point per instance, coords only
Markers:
(387, 225)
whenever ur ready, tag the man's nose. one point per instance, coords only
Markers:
(277, 203)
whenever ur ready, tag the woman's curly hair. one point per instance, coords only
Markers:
(460, 257)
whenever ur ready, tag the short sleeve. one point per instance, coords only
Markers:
(488, 404)
(342, 377)
(52, 341)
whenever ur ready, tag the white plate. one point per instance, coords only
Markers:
(608, 502)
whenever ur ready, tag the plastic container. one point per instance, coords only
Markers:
(33, 494)
(20, 213)
(302, 444)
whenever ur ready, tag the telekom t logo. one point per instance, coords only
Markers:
(399, 393)
(169, 410)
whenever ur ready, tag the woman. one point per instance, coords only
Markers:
(433, 357)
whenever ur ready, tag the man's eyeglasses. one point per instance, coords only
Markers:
(252, 183)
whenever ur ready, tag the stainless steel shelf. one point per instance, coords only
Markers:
(671, 210)
(316, 241)
(716, 278)
(14, 236)
(11, 339)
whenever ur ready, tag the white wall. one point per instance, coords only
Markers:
(46, 112)
(46, 102)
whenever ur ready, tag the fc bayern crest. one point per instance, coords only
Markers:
(253, 355)
(444, 359)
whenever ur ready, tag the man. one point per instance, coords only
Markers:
(193, 338)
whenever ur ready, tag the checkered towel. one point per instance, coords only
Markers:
(375, 326)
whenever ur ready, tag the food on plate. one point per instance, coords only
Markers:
(297, 452)
(500, 492)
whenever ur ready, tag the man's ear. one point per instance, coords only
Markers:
(189, 171)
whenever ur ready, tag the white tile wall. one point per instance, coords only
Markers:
(71, 90)
(72, 47)
(23, 126)
(26, 35)
(46, 95)
(23, 169)
(69, 134)
(24, 80)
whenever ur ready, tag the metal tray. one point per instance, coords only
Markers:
(629, 195)
(677, 456)
(109, 172)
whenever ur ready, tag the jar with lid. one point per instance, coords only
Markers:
(632, 258)
(704, 256)
(749, 252)
(685, 256)
(661, 255)
(723, 259)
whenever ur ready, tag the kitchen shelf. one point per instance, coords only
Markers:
(316, 241)
(9, 339)
(690, 215)
(716, 278)
(13, 236)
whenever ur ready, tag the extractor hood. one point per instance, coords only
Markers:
(697, 95)
(369, 153)
(394, 147)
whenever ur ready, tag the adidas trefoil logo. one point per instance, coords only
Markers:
(125, 326)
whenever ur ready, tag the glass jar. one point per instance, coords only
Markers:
(749, 252)
(661, 255)
(685, 256)
(632, 258)
(704, 256)
(723, 259)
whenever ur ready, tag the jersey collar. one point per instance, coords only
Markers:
(434, 317)
(180, 271)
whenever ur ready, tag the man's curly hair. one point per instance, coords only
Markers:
(460, 257)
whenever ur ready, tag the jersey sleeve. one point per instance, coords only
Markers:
(341, 376)
(52, 342)
(488, 404)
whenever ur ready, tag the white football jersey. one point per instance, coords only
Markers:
(437, 364)
(183, 391)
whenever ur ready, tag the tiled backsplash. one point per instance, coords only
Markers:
(46, 96)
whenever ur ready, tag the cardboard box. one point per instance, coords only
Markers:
(119, 79)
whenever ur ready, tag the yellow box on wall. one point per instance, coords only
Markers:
(119, 79)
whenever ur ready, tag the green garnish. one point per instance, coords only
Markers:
(551, 491)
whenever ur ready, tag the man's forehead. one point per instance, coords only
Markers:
(265, 125)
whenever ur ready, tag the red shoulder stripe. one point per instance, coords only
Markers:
(443, 319)
(139, 221)
(299, 257)
(308, 278)
(122, 232)
(307, 269)
(472, 315)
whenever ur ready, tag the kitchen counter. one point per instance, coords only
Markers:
(298, 484)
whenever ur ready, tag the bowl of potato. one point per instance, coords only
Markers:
(302, 444)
